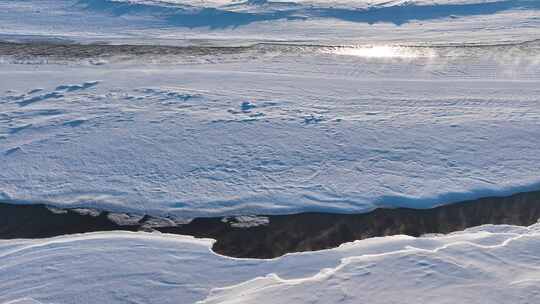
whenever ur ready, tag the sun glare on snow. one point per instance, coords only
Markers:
(383, 52)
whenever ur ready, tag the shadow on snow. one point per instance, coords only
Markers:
(191, 16)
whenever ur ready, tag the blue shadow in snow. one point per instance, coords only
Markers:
(191, 17)
(405, 13)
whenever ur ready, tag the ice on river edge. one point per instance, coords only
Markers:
(311, 132)
(497, 264)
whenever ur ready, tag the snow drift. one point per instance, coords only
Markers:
(489, 263)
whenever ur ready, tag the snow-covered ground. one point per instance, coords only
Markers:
(489, 264)
(273, 129)
(411, 103)
(369, 103)
(331, 106)
(233, 22)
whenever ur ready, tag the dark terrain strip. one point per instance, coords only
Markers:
(284, 233)
(32, 50)
(62, 50)
(40, 221)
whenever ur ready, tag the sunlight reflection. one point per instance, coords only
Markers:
(384, 52)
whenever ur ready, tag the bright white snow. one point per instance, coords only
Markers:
(232, 22)
(394, 110)
(489, 264)
(367, 103)
(272, 129)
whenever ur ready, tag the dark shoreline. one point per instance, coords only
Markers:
(276, 235)
(29, 49)
(63, 50)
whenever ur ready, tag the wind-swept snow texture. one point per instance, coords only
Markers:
(370, 103)
(322, 21)
(488, 264)
(273, 129)
(366, 104)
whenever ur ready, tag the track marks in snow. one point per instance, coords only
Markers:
(25, 114)
(31, 100)
(76, 87)
(74, 123)
(250, 111)
(12, 151)
(18, 129)
(30, 97)
(169, 95)
(287, 142)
